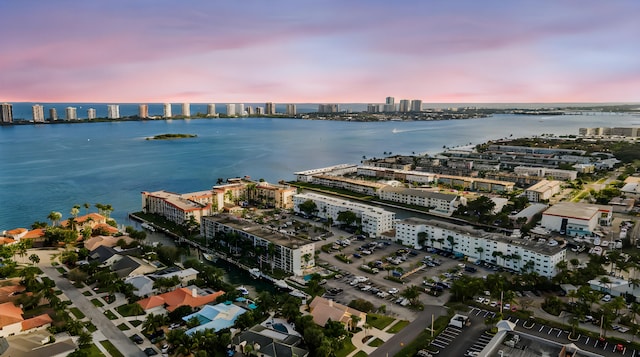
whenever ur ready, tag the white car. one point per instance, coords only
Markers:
(506, 307)
(493, 304)
(606, 298)
(480, 300)
(393, 291)
(366, 288)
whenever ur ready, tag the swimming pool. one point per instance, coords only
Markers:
(280, 327)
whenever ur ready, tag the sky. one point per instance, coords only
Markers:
(331, 51)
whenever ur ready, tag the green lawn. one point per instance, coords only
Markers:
(398, 326)
(110, 315)
(130, 310)
(61, 270)
(77, 313)
(376, 342)
(123, 327)
(113, 351)
(348, 348)
(360, 354)
(97, 302)
(379, 321)
(93, 351)
(87, 293)
(135, 323)
(90, 327)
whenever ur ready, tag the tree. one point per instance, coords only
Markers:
(75, 210)
(309, 207)
(422, 238)
(348, 218)
(54, 217)
(34, 258)
(412, 293)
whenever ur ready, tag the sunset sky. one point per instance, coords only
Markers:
(319, 51)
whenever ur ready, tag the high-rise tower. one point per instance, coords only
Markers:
(166, 110)
(6, 113)
(38, 113)
(113, 111)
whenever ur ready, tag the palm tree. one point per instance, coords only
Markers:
(86, 206)
(75, 210)
(412, 293)
(604, 280)
(54, 217)
(34, 258)
(479, 250)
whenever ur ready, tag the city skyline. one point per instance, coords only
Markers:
(329, 52)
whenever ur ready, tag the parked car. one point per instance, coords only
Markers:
(137, 339)
(393, 291)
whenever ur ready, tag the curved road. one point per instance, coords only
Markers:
(409, 333)
(104, 325)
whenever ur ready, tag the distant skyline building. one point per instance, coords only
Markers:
(186, 110)
(291, 109)
(328, 108)
(231, 110)
(53, 114)
(211, 109)
(416, 105)
(6, 113)
(113, 111)
(240, 109)
(390, 105)
(269, 108)
(71, 113)
(373, 108)
(250, 110)
(166, 110)
(37, 111)
(259, 111)
(404, 106)
(143, 111)
(91, 113)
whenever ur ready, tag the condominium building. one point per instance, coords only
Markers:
(231, 110)
(113, 111)
(186, 110)
(53, 114)
(328, 108)
(374, 220)
(373, 108)
(6, 113)
(356, 185)
(289, 253)
(259, 111)
(558, 174)
(211, 109)
(404, 106)
(416, 105)
(336, 170)
(440, 203)
(576, 219)
(240, 109)
(37, 111)
(71, 113)
(542, 190)
(397, 174)
(291, 109)
(166, 110)
(143, 111)
(263, 194)
(517, 254)
(250, 110)
(178, 208)
(390, 105)
(269, 108)
(91, 113)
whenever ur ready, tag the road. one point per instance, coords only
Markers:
(104, 325)
(409, 333)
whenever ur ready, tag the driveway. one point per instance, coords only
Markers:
(104, 325)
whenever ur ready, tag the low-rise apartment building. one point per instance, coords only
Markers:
(176, 207)
(374, 220)
(261, 193)
(558, 174)
(440, 203)
(518, 254)
(476, 184)
(355, 185)
(336, 170)
(543, 190)
(290, 253)
(419, 177)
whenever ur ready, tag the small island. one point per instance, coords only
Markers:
(172, 136)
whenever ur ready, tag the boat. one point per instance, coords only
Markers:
(147, 226)
(596, 241)
(210, 257)
(604, 243)
(243, 290)
(281, 284)
(255, 273)
(298, 294)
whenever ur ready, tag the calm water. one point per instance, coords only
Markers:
(53, 167)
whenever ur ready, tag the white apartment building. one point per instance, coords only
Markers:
(91, 113)
(166, 110)
(292, 254)
(290, 109)
(143, 111)
(71, 113)
(38, 113)
(186, 110)
(543, 190)
(336, 170)
(178, 208)
(211, 109)
(440, 203)
(512, 253)
(240, 109)
(374, 220)
(360, 186)
(261, 193)
(396, 174)
(546, 172)
(113, 111)
(231, 110)
(576, 219)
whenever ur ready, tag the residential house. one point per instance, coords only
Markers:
(189, 296)
(215, 317)
(12, 322)
(324, 310)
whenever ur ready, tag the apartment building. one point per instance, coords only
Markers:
(374, 220)
(389, 173)
(291, 253)
(239, 191)
(543, 190)
(178, 208)
(440, 203)
(558, 174)
(512, 253)
(359, 186)
(336, 170)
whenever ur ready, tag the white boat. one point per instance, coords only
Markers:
(255, 273)
(596, 241)
(243, 290)
(148, 227)
(604, 243)
(298, 294)
(281, 284)
(210, 257)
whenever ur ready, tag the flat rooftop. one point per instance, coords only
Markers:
(264, 232)
(584, 211)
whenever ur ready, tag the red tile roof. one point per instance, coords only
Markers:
(36, 321)
(177, 298)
